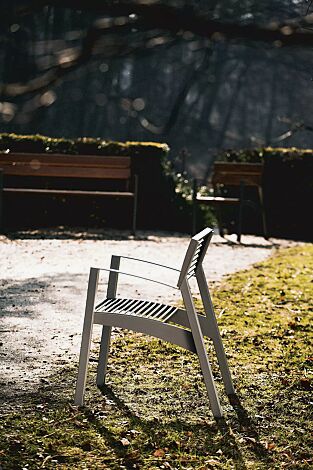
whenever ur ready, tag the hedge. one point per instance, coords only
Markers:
(82, 146)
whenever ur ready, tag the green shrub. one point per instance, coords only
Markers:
(83, 146)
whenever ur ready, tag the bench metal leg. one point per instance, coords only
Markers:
(134, 221)
(201, 351)
(214, 332)
(265, 234)
(1, 201)
(86, 337)
(194, 207)
(240, 214)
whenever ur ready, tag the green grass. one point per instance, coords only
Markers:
(154, 412)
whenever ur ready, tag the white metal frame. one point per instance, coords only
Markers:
(156, 319)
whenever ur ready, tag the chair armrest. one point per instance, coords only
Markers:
(149, 262)
(138, 277)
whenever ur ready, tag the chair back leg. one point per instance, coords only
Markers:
(201, 350)
(86, 336)
(214, 332)
(103, 355)
(106, 330)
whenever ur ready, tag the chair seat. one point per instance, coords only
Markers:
(138, 308)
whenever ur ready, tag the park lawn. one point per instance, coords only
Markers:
(154, 412)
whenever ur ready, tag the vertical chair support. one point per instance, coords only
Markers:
(86, 337)
(215, 334)
(201, 350)
(106, 330)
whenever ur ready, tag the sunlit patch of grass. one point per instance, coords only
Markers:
(154, 412)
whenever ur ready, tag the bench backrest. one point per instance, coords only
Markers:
(72, 166)
(233, 174)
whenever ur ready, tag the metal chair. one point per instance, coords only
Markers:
(183, 327)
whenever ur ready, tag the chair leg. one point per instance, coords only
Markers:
(103, 355)
(86, 337)
(201, 351)
(215, 334)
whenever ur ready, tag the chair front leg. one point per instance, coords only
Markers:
(86, 337)
(201, 350)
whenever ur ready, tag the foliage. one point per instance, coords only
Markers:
(43, 144)
(257, 155)
(154, 411)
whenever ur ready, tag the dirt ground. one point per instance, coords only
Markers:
(43, 290)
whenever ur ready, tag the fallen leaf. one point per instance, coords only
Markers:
(212, 462)
(125, 442)
(270, 445)
(159, 453)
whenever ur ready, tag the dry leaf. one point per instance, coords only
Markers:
(125, 442)
(270, 445)
(159, 453)
(212, 462)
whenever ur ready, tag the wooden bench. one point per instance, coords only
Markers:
(233, 175)
(54, 167)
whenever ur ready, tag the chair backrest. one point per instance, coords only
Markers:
(196, 251)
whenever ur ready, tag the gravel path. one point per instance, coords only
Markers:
(43, 290)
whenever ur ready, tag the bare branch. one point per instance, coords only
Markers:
(295, 127)
(174, 19)
(123, 17)
(179, 100)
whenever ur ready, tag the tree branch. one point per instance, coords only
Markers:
(175, 19)
(146, 16)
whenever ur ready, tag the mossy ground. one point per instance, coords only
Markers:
(154, 412)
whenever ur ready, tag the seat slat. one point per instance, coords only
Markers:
(137, 307)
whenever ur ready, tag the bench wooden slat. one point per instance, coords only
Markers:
(68, 172)
(66, 166)
(69, 192)
(66, 160)
(235, 173)
(218, 200)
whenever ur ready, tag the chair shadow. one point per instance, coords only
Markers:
(152, 428)
(249, 427)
